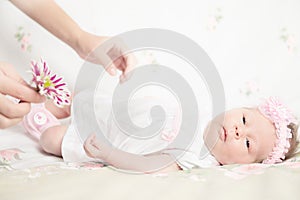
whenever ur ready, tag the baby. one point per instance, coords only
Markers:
(252, 135)
(266, 134)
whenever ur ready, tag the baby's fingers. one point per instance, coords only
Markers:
(90, 151)
(90, 139)
(96, 148)
(88, 146)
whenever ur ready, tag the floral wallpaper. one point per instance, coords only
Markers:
(23, 39)
(256, 43)
(289, 40)
(214, 19)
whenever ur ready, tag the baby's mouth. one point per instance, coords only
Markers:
(223, 134)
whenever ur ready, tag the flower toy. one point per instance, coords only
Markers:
(49, 84)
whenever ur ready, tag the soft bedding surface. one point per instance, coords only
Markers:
(255, 47)
(28, 173)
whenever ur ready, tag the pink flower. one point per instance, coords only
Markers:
(25, 43)
(168, 136)
(50, 85)
(292, 164)
(91, 165)
(255, 168)
(214, 19)
(9, 154)
(24, 47)
(250, 88)
(24, 39)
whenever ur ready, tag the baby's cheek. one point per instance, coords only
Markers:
(232, 153)
(219, 152)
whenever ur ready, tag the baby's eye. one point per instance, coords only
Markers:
(247, 143)
(244, 119)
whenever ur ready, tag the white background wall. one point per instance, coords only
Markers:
(254, 57)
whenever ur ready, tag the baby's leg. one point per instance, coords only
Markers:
(59, 113)
(44, 127)
(51, 139)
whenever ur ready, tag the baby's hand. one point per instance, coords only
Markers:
(95, 148)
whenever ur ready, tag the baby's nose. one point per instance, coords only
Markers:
(239, 132)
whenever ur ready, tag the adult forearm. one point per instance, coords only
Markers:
(49, 15)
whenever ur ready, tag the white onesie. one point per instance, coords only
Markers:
(140, 142)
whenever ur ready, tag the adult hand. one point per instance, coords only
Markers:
(13, 85)
(111, 54)
(85, 44)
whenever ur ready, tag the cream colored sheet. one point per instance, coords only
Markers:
(28, 173)
(279, 182)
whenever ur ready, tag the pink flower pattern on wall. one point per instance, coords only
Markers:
(24, 39)
(214, 19)
(289, 40)
(250, 88)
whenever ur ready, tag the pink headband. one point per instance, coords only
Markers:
(281, 117)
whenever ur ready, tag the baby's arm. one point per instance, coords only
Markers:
(122, 160)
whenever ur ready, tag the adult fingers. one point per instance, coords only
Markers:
(104, 57)
(130, 63)
(11, 110)
(109, 65)
(120, 64)
(115, 52)
(19, 91)
(6, 122)
(10, 72)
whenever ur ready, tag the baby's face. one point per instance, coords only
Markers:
(241, 135)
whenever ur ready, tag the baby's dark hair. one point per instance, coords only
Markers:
(293, 141)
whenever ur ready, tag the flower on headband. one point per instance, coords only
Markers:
(49, 85)
(281, 117)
